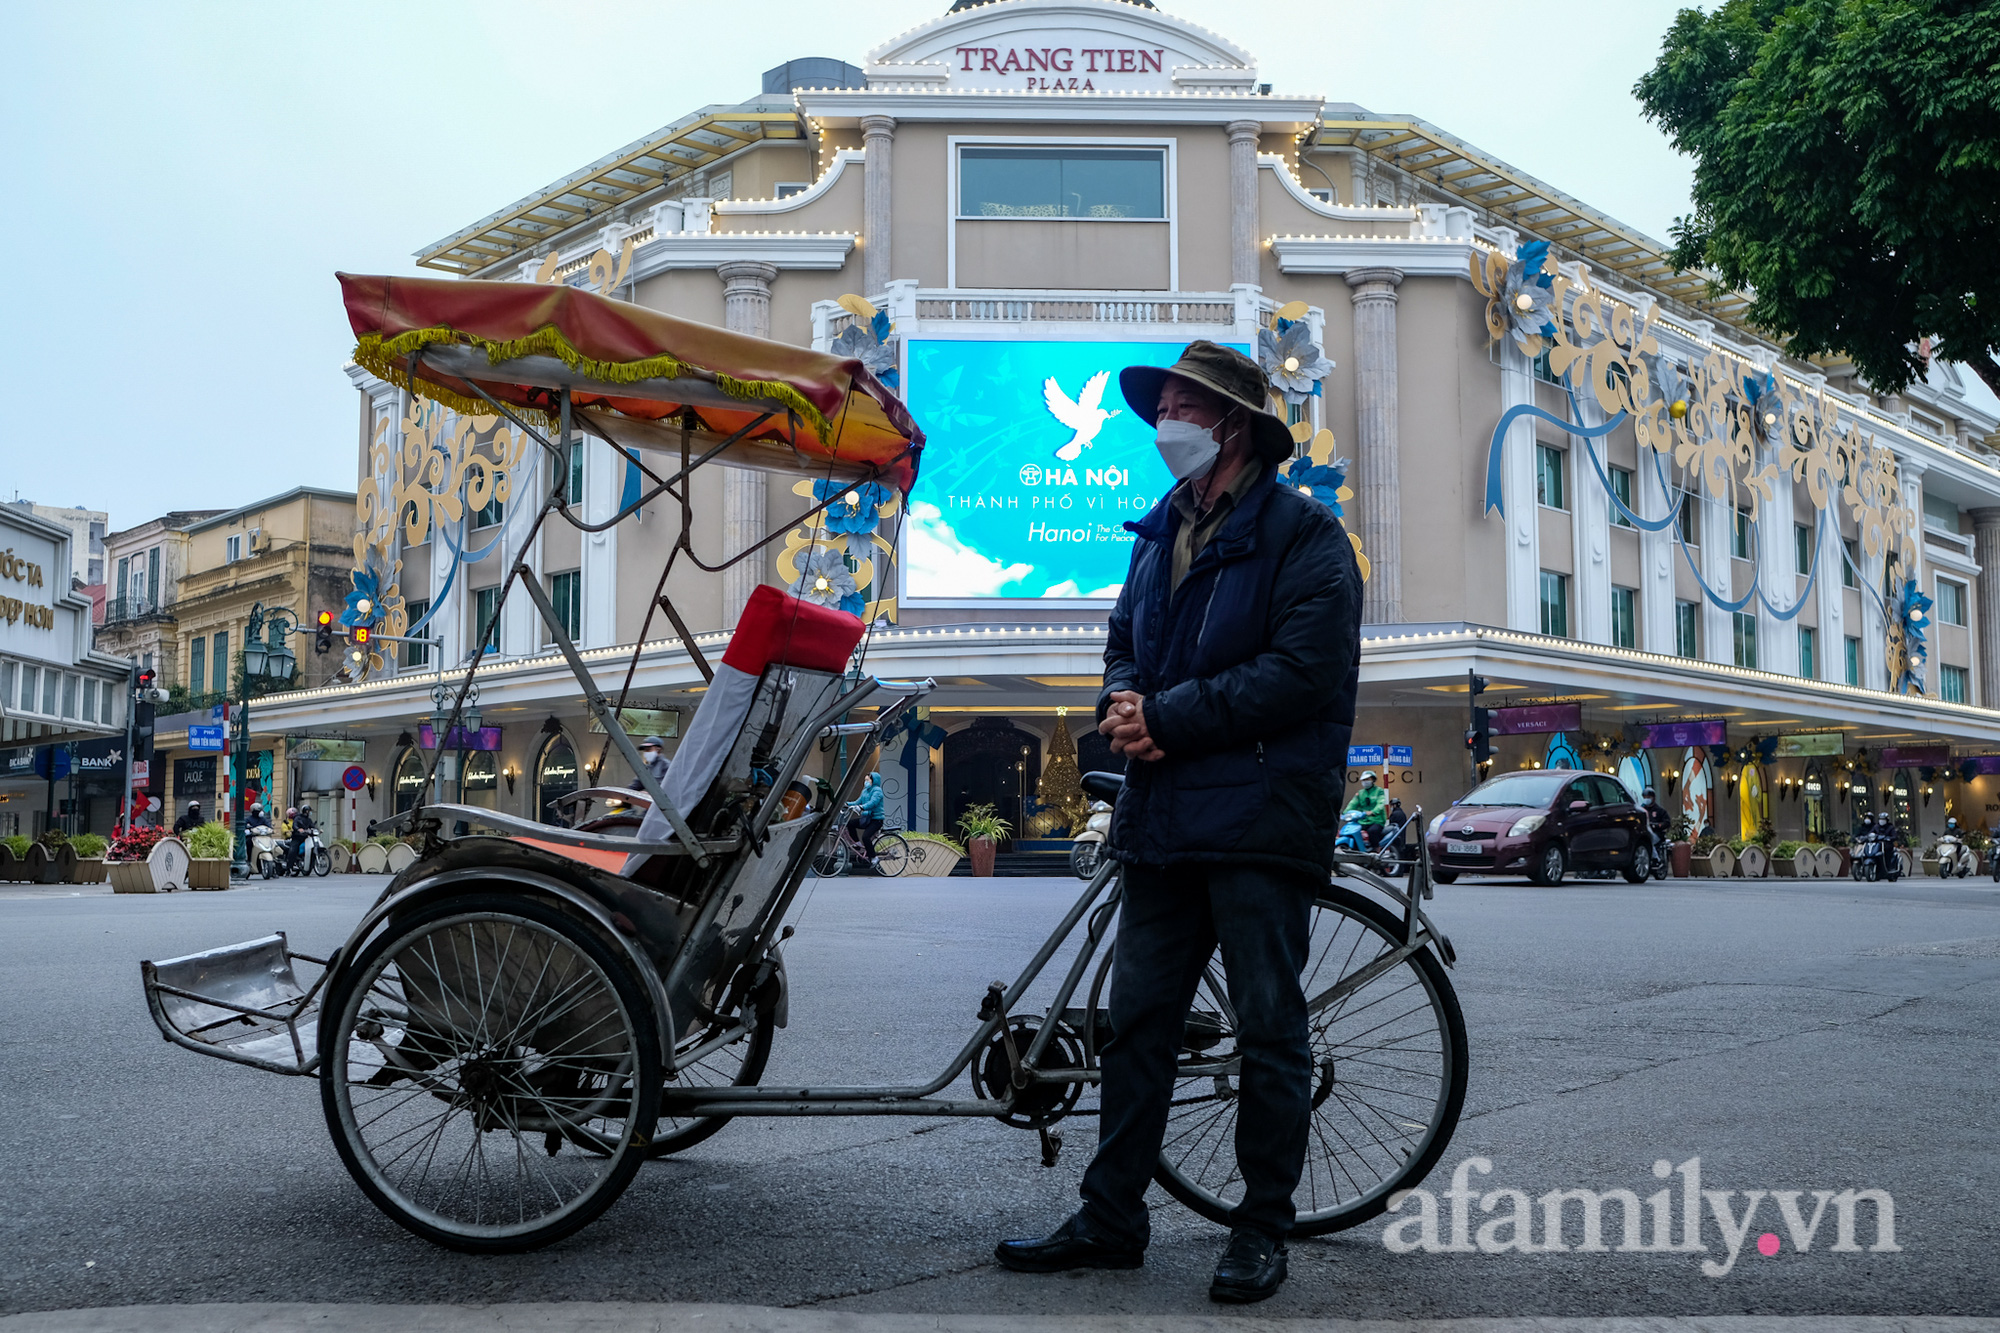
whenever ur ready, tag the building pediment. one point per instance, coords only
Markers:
(1073, 45)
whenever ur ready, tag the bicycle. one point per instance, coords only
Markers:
(843, 851)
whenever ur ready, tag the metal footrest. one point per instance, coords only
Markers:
(241, 1003)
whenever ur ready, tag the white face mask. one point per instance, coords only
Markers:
(1189, 450)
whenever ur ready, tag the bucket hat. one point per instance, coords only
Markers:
(1220, 370)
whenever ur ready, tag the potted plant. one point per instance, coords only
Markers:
(984, 830)
(1680, 853)
(1785, 863)
(13, 852)
(933, 853)
(89, 848)
(43, 854)
(208, 851)
(132, 867)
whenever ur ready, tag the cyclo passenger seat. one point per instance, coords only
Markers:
(1104, 786)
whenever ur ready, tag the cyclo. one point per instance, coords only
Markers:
(528, 1013)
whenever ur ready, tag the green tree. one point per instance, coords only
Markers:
(1847, 171)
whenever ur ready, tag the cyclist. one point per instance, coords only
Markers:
(868, 816)
(1656, 821)
(1372, 806)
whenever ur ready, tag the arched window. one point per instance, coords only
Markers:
(555, 778)
(481, 776)
(1899, 793)
(409, 780)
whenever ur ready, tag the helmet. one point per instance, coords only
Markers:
(652, 743)
(291, 811)
(194, 805)
(1368, 776)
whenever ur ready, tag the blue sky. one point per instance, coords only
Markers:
(184, 180)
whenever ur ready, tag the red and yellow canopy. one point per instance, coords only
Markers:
(646, 379)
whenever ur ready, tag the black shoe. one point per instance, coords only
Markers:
(1251, 1269)
(1068, 1246)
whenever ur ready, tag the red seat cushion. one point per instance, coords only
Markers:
(777, 627)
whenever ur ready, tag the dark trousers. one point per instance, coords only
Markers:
(1168, 928)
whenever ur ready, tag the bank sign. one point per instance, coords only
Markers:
(1033, 465)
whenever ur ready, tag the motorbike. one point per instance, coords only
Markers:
(1954, 858)
(1875, 856)
(1396, 856)
(271, 855)
(1086, 854)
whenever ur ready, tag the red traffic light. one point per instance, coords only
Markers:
(326, 620)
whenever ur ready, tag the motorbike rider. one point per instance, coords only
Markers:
(653, 753)
(303, 827)
(190, 821)
(1656, 821)
(1370, 807)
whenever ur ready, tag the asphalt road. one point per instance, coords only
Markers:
(1792, 1035)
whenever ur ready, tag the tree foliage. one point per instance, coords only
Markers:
(1847, 171)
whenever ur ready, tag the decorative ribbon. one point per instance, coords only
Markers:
(1494, 499)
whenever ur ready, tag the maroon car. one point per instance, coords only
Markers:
(1542, 823)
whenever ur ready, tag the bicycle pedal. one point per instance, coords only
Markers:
(1051, 1145)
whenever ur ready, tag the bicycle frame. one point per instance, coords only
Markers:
(1097, 902)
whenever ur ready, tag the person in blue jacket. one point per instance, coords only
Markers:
(868, 814)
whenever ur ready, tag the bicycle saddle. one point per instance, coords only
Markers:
(1104, 786)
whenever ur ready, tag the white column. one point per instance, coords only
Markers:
(1778, 568)
(1590, 533)
(1716, 526)
(1986, 550)
(1517, 485)
(603, 482)
(878, 137)
(1243, 199)
(1381, 488)
(746, 301)
(1657, 556)
(1874, 648)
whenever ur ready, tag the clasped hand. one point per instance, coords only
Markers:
(1125, 723)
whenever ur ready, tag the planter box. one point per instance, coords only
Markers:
(1930, 867)
(341, 858)
(169, 861)
(372, 859)
(12, 870)
(131, 877)
(981, 851)
(1680, 860)
(88, 870)
(1722, 863)
(401, 857)
(208, 872)
(931, 858)
(1785, 867)
(41, 866)
(1753, 862)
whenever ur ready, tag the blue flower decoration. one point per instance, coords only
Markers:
(855, 509)
(367, 585)
(1322, 481)
(1913, 615)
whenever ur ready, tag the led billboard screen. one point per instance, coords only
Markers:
(1033, 465)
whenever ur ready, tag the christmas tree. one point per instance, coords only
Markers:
(1059, 791)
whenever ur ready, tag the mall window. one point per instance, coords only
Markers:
(490, 515)
(409, 780)
(576, 473)
(30, 677)
(1739, 540)
(1851, 659)
(1057, 181)
(51, 688)
(1850, 566)
(1545, 372)
(1555, 604)
(566, 592)
(484, 603)
(1802, 547)
(786, 189)
(417, 654)
(1625, 617)
(1746, 639)
(69, 700)
(1687, 629)
(1950, 602)
(90, 699)
(1685, 519)
(1808, 652)
(1550, 477)
(1621, 488)
(1954, 685)
(198, 665)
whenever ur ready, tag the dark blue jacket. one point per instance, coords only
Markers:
(1249, 670)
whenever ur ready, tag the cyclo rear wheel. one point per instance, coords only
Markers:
(467, 1053)
(1389, 1063)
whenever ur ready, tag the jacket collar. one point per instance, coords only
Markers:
(1238, 534)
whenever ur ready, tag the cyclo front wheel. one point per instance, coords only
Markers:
(1389, 1070)
(468, 1051)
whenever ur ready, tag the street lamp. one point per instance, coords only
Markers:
(266, 661)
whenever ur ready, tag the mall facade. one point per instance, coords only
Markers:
(1686, 557)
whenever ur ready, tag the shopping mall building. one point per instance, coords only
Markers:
(1685, 556)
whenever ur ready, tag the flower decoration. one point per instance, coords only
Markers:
(1324, 482)
(364, 598)
(1292, 359)
(1765, 409)
(854, 509)
(825, 579)
(1671, 385)
(1520, 296)
(867, 340)
(1908, 653)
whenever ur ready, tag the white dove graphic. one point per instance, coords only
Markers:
(1083, 416)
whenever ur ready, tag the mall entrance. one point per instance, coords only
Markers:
(992, 762)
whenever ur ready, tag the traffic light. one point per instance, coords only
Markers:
(1478, 736)
(149, 688)
(323, 640)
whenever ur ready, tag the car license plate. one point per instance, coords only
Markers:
(1452, 848)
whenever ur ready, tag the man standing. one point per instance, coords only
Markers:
(1229, 683)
